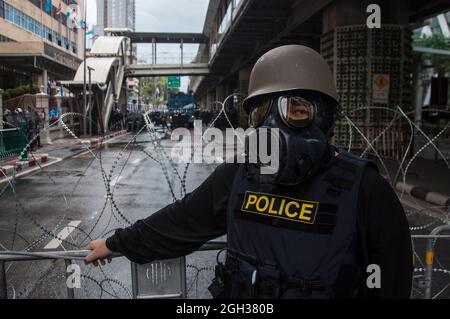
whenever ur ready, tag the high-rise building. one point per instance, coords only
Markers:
(119, 14)
(116, 14)
(36, 43)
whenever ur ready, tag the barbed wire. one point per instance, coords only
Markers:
(175, 176)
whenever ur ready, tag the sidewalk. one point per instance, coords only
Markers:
(426, 180)
(50, 154)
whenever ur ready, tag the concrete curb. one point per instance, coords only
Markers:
(424, 194)
(11, 168)
(93, 143)
(16, 166)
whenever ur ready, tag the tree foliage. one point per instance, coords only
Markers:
(440, 63)
(157, 96)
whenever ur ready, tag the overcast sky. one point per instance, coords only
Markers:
(165, 16)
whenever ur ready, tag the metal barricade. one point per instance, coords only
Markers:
(12, 141)
(157, 280)
(429, 257)
(167, 279)
(423, 278)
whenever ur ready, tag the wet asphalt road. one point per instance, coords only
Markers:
(74, 192)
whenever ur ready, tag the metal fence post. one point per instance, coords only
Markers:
(3, 285)
(23, 139)
(183, 279)
(134, 283)
(429, 260)
(70, 291)
(1, 122)
(1, 109)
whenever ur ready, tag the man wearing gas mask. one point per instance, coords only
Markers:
(311, 230)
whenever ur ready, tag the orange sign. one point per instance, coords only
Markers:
(381, 87)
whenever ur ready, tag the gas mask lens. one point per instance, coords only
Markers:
(296, 111)
(260, 108)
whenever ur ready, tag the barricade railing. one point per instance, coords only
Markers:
(428, 263)
(430, 257)
(171, 273)
(12, 141)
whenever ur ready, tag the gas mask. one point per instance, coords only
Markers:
(304, 121)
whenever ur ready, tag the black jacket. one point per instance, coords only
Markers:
(181, 228)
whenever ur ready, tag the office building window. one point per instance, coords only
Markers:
(5, 39)
(24, 21)
(2, 9)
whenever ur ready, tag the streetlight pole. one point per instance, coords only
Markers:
(90, 99)
(154, 48)
(139, 94)
(1, 110)
(85, 66)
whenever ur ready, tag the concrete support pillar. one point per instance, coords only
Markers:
(45, 81)
(419, 89)
(1, 109)
(209, 101)
(231, 88)
(371, 67)
(220, 93)
(42, 81)
(242, 91)
(43, 109)
(354, 12)
(59, 102)
(203, 102)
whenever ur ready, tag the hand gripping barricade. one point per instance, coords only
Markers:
(156, 280)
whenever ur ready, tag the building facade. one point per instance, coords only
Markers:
(119, 14)
(36, 44)
(116, 14)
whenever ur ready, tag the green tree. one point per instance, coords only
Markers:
(440, 63)
(157, 95)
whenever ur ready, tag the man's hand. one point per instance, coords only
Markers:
(100, 253)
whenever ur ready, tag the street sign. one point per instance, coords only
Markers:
(381, 88)
(174, 82)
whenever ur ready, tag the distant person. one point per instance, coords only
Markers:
(21, 123)
(8, 119)
(31, 127)
(38, 125)
(20, 117)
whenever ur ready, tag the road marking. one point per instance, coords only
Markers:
(63, 234)
(136, 161)
(115, 181)
(81, 155)
(94, 214)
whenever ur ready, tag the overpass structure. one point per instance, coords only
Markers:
(241, 31)
(106, 65)
(159, 37)
(153, 70)
(110, 63)
(198, 67)
(237, 32)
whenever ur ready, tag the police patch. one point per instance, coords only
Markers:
(280, 207)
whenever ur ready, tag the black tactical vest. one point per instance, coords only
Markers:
(292, 242)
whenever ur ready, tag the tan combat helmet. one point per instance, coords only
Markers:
(290, 67)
